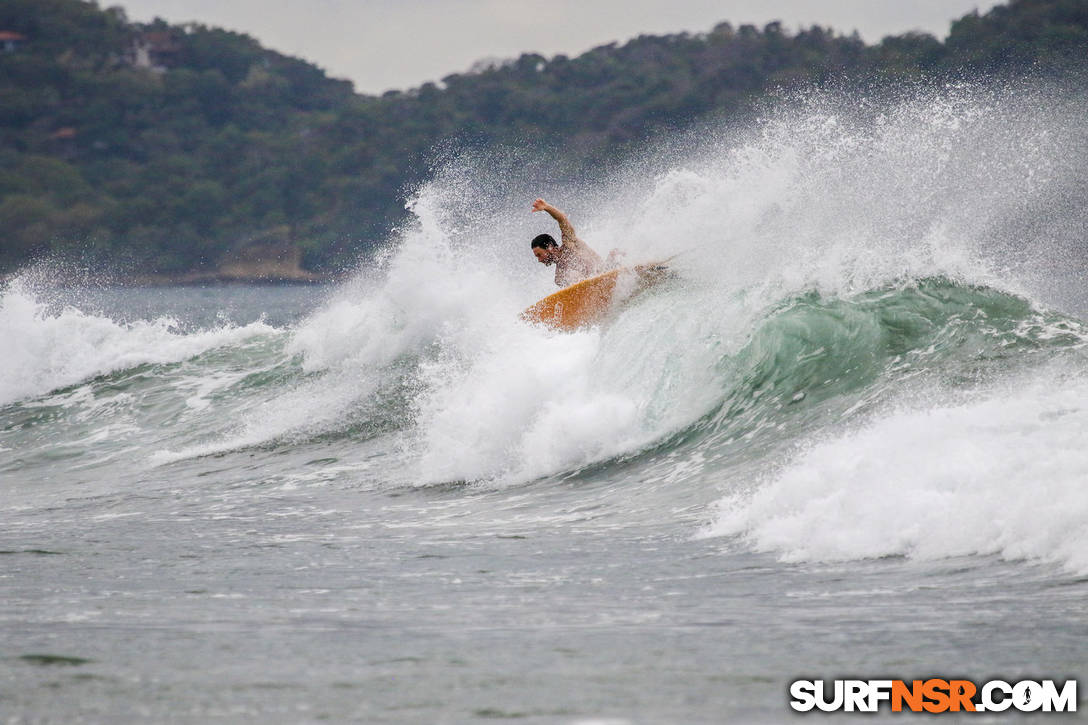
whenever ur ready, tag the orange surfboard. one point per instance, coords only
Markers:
(586, 302)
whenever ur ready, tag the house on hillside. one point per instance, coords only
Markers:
(156, 51)
(64, 142)
(10, 42)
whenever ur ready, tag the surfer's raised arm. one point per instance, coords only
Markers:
(566, 229)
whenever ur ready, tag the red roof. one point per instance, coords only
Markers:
(8, 35)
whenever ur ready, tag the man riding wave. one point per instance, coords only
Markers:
(574, 260)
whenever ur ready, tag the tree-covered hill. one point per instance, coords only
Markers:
(172, 149)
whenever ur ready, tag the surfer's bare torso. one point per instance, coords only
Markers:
(577, 261)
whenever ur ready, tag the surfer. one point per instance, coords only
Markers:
(574, 260)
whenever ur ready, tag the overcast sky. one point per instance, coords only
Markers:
(383, 44)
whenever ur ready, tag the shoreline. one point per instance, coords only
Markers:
(215, 278)
(219, 279)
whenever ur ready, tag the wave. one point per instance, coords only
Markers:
(47, 349)
(812, 347)
(1001, 475)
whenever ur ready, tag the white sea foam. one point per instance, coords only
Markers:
(817, 197)
(47, 349)
(1001, 475)
(373, 332)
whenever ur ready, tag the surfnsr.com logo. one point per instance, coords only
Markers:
(934, 695)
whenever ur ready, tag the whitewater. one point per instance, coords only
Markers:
(845, 438)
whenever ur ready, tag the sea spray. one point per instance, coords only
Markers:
(821, 196)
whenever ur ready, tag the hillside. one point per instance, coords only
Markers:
(177, 150)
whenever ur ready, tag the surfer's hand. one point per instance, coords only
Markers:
(540, 205)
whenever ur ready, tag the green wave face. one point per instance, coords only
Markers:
(817, 347)
(814, 358)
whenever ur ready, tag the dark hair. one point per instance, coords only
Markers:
(544, 241)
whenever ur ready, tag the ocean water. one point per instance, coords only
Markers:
(849, 438)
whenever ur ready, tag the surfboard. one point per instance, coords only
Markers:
(587, 302)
